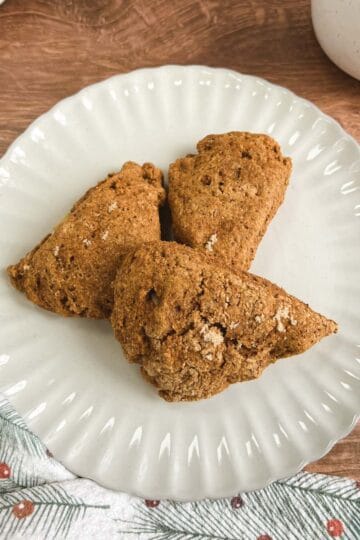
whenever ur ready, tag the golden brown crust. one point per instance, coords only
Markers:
(71, 270)
(223, 198)
(195, 327)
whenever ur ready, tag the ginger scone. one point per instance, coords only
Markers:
(70, 272)
(223, 198)
(195, 327)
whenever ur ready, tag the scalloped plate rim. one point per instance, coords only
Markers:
(175, 66)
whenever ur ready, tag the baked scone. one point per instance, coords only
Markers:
(223, 198)
(70, 272)
(195, 327)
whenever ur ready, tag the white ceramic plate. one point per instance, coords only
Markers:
(67, 377)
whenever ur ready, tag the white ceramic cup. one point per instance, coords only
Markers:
(337, 28)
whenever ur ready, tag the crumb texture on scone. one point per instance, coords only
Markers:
(70, 272)
(195, 327)
(223, 198)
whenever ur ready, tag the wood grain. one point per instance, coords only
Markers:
(49, 49)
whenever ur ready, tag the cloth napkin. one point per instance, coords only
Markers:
(40, 499)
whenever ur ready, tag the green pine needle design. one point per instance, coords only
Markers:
(14, 432)
(20, 476)
(24, 480)
(292, 508)
(183, 521)
(334, 487)
(55, 510)
(8, 485)
(17, 442)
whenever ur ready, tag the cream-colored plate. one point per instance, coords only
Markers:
(68, 378)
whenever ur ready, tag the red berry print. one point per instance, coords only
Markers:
(151, 504)
(5, 471)
(23, 509)
(264, 537)
(357, 484)
(49, 454)
(237, 502)
(335, 527)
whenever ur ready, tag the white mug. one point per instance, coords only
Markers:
(337, 28)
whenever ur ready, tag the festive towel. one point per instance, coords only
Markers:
(40, 499)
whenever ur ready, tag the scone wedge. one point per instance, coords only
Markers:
(195, 327)
(70, 272)
(223, 198)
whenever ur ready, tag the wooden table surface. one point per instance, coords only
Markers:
(49, 49)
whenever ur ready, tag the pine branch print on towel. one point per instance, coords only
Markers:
(40, 510)
(24, 459)
(305, 506)
(14, 431)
